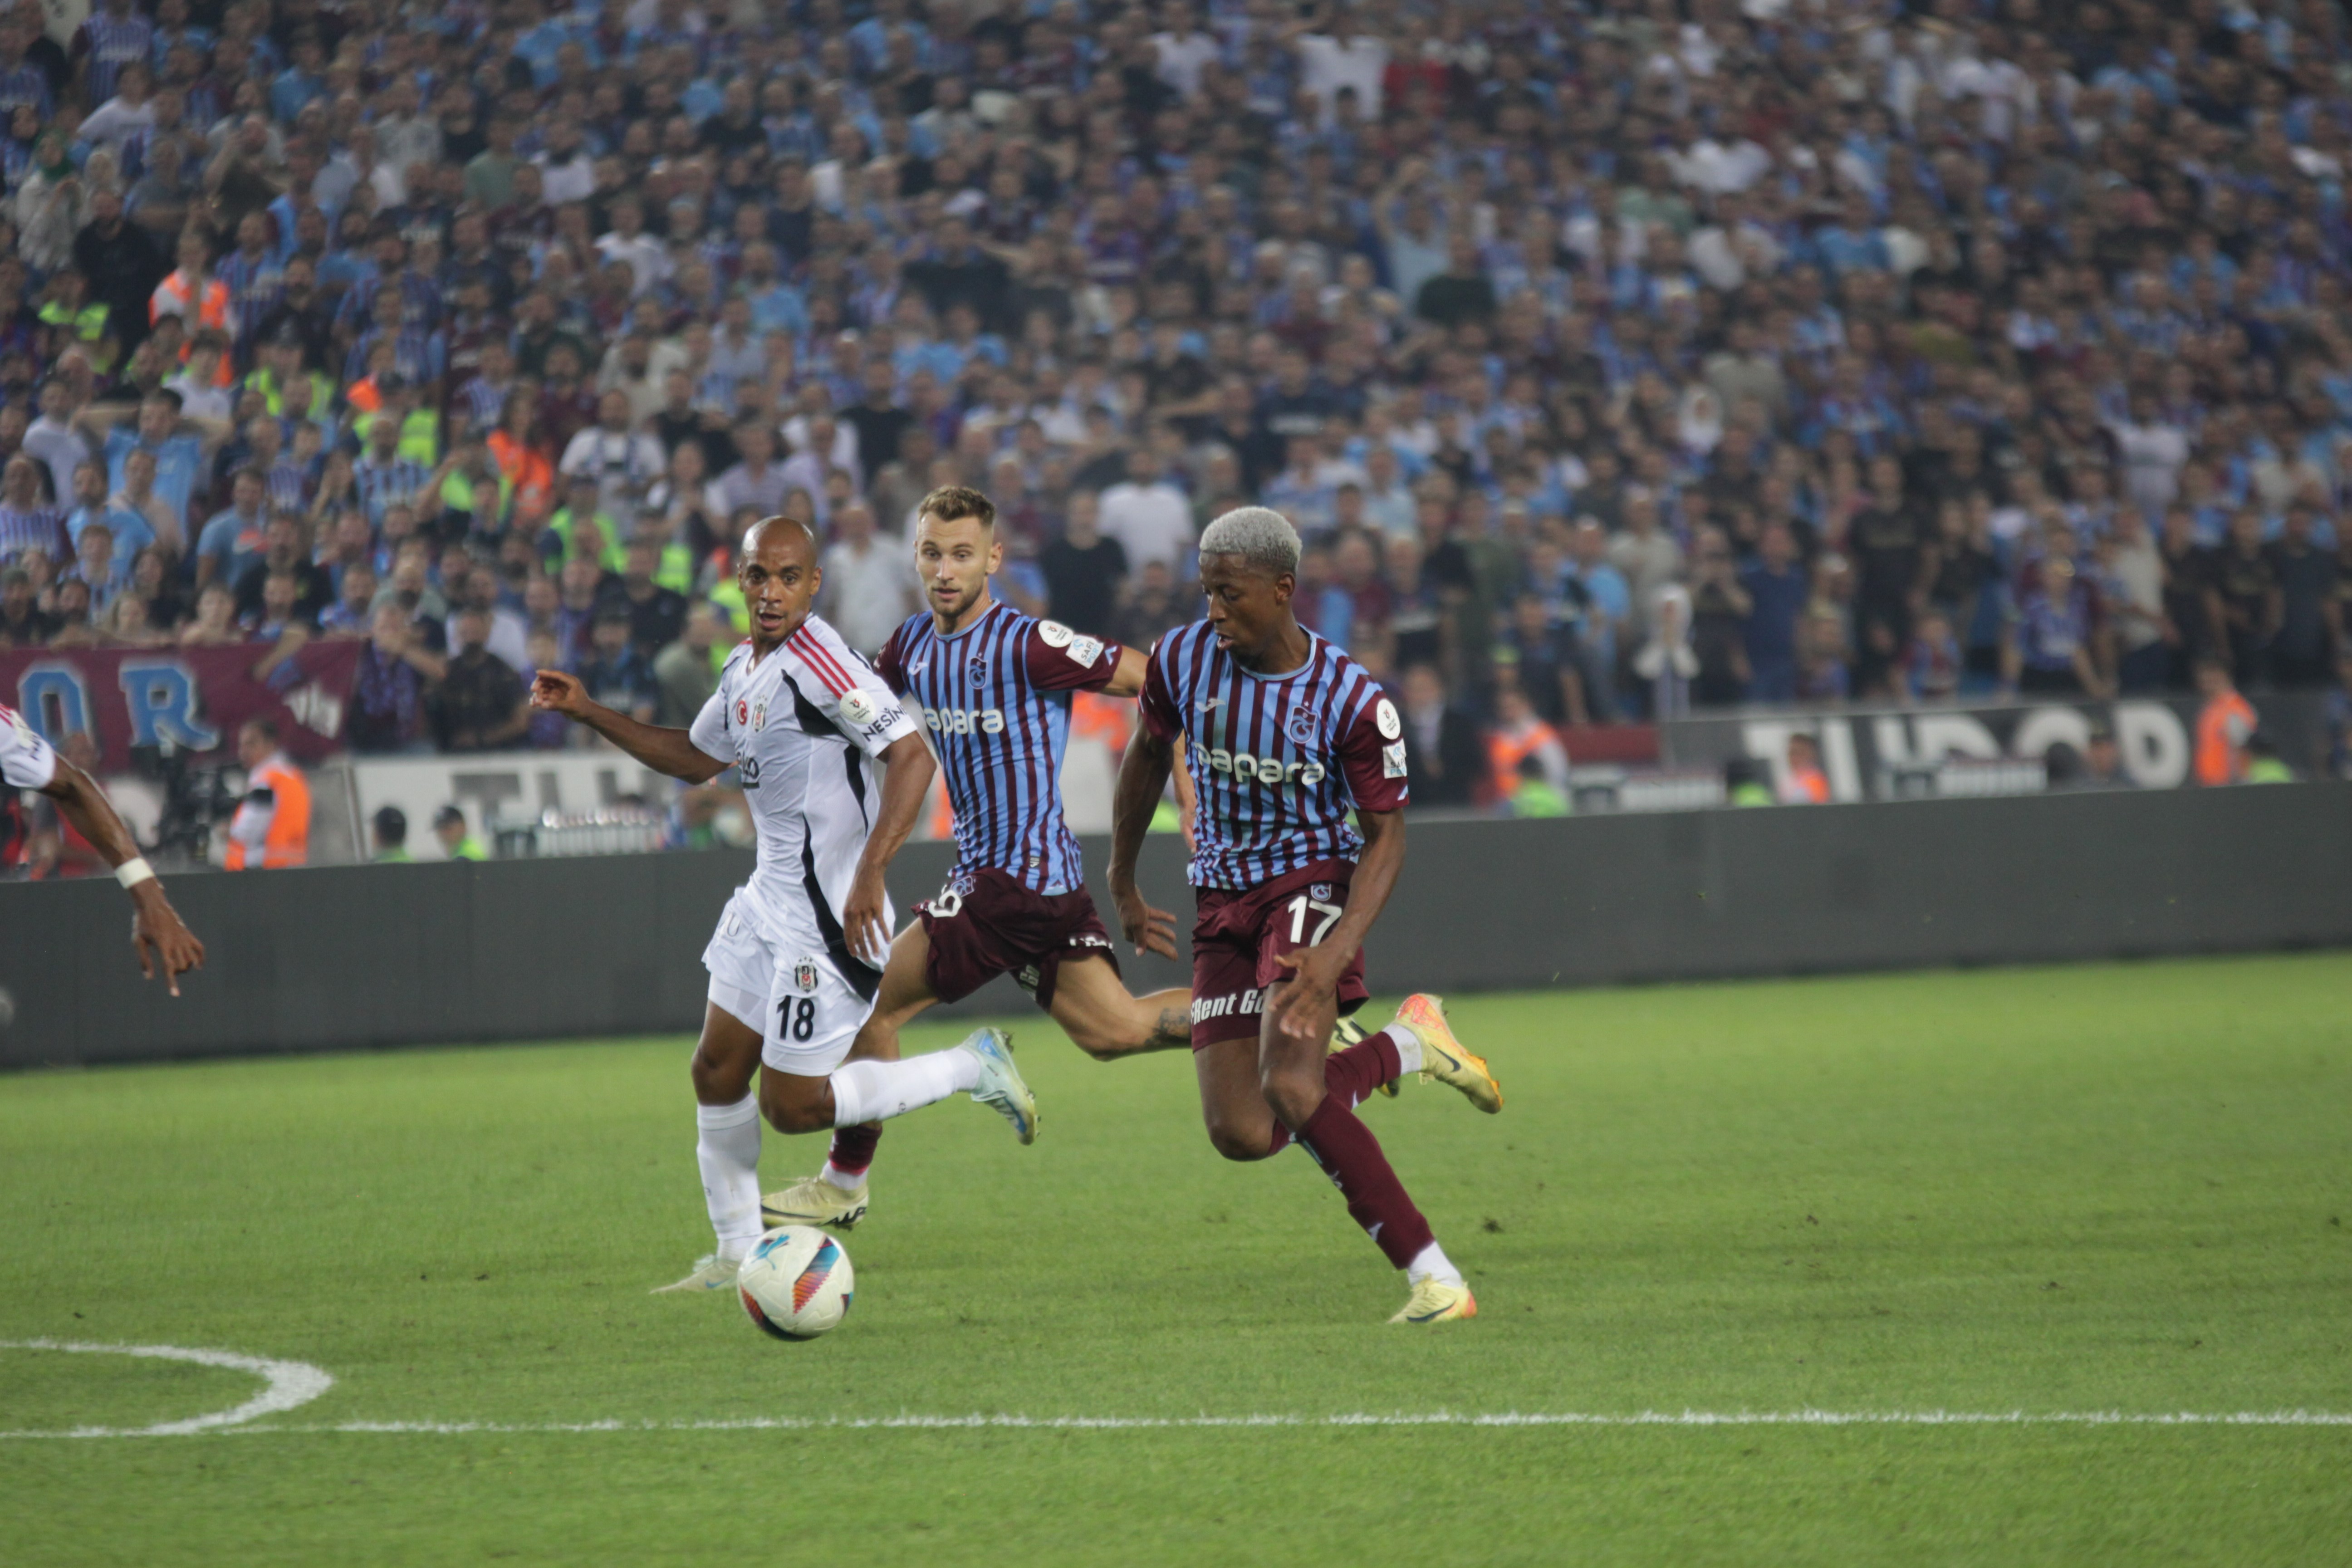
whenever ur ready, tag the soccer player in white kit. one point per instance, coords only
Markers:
(158, 935)
(800, 948)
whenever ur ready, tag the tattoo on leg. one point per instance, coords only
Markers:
(1174, 1028)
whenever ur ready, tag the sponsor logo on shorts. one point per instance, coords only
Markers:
(1259, 770)
(1090, 938)
(965, 720)
(805, 975)
(1319, 891)
(1232, 1003)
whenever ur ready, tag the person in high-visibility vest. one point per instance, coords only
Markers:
(271, 828)
(457, 843)
(390, 832)
(2224, 725)
(195, 296)
(1806, 783)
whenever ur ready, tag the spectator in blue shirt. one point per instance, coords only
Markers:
(232, 541)
(1777, 586)
(616, 673)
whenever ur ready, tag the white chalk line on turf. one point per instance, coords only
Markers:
(287, 1384)
(1435, 1418)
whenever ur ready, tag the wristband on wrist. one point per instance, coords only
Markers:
(133, 871)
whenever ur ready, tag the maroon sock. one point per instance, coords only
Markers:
(1354, 1073)
(1351, 1075)
(853, 1149)
(1352, 1157)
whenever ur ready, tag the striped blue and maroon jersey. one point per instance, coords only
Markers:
(995, 697)
(1277, 760)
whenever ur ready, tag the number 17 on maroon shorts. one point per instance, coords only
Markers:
(1240, 935)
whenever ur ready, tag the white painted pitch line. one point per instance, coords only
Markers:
(292, 1383)
(1436, 1418)
(287, 1384)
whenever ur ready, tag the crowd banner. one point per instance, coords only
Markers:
(191, 699)
(1865, 748)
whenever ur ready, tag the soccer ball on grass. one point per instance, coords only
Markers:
(796, 1283)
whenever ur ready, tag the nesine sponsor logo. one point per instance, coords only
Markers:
(1231, 1002)
(1259, 770)
(965, 720)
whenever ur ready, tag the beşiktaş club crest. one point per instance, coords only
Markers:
(804, 976)
(1300, 725)
(759, 714)
(1319, 891)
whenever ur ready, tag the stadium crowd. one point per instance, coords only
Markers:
(1610, 360)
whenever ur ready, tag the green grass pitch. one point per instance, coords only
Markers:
(2108, 1189)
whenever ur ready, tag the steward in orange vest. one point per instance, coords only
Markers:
(272, 825)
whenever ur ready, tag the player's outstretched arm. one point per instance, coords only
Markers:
(1298, 1002)
(671, 752)
(157, 933)
(905, 780)
(1142, 775)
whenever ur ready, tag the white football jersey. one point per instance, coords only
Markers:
(25, 760)
(800, 727)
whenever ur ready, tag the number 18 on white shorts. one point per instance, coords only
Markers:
(791, 992)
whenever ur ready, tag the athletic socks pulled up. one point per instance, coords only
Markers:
(876, 1091)
(1353, 1073)
(727, 1148)
(1352, 1157)
(853, 1153)
(1350, 1076)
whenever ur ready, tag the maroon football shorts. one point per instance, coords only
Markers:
(1238, 935)
(984, 923)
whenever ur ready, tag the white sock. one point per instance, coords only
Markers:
(876, 1091)
(845, 1181)
(1408, 1045)
(727, 1147)
(1429, 1261)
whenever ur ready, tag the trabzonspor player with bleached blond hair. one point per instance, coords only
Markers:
(1287, 738)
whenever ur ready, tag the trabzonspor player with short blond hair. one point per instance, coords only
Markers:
(1285, 735)
(797, 956)
(992, 689)
(158, 935)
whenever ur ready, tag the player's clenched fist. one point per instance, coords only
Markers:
(559, 693)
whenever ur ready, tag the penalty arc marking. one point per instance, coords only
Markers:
(286, 1385)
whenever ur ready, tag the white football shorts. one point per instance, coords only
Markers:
(791, 992)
